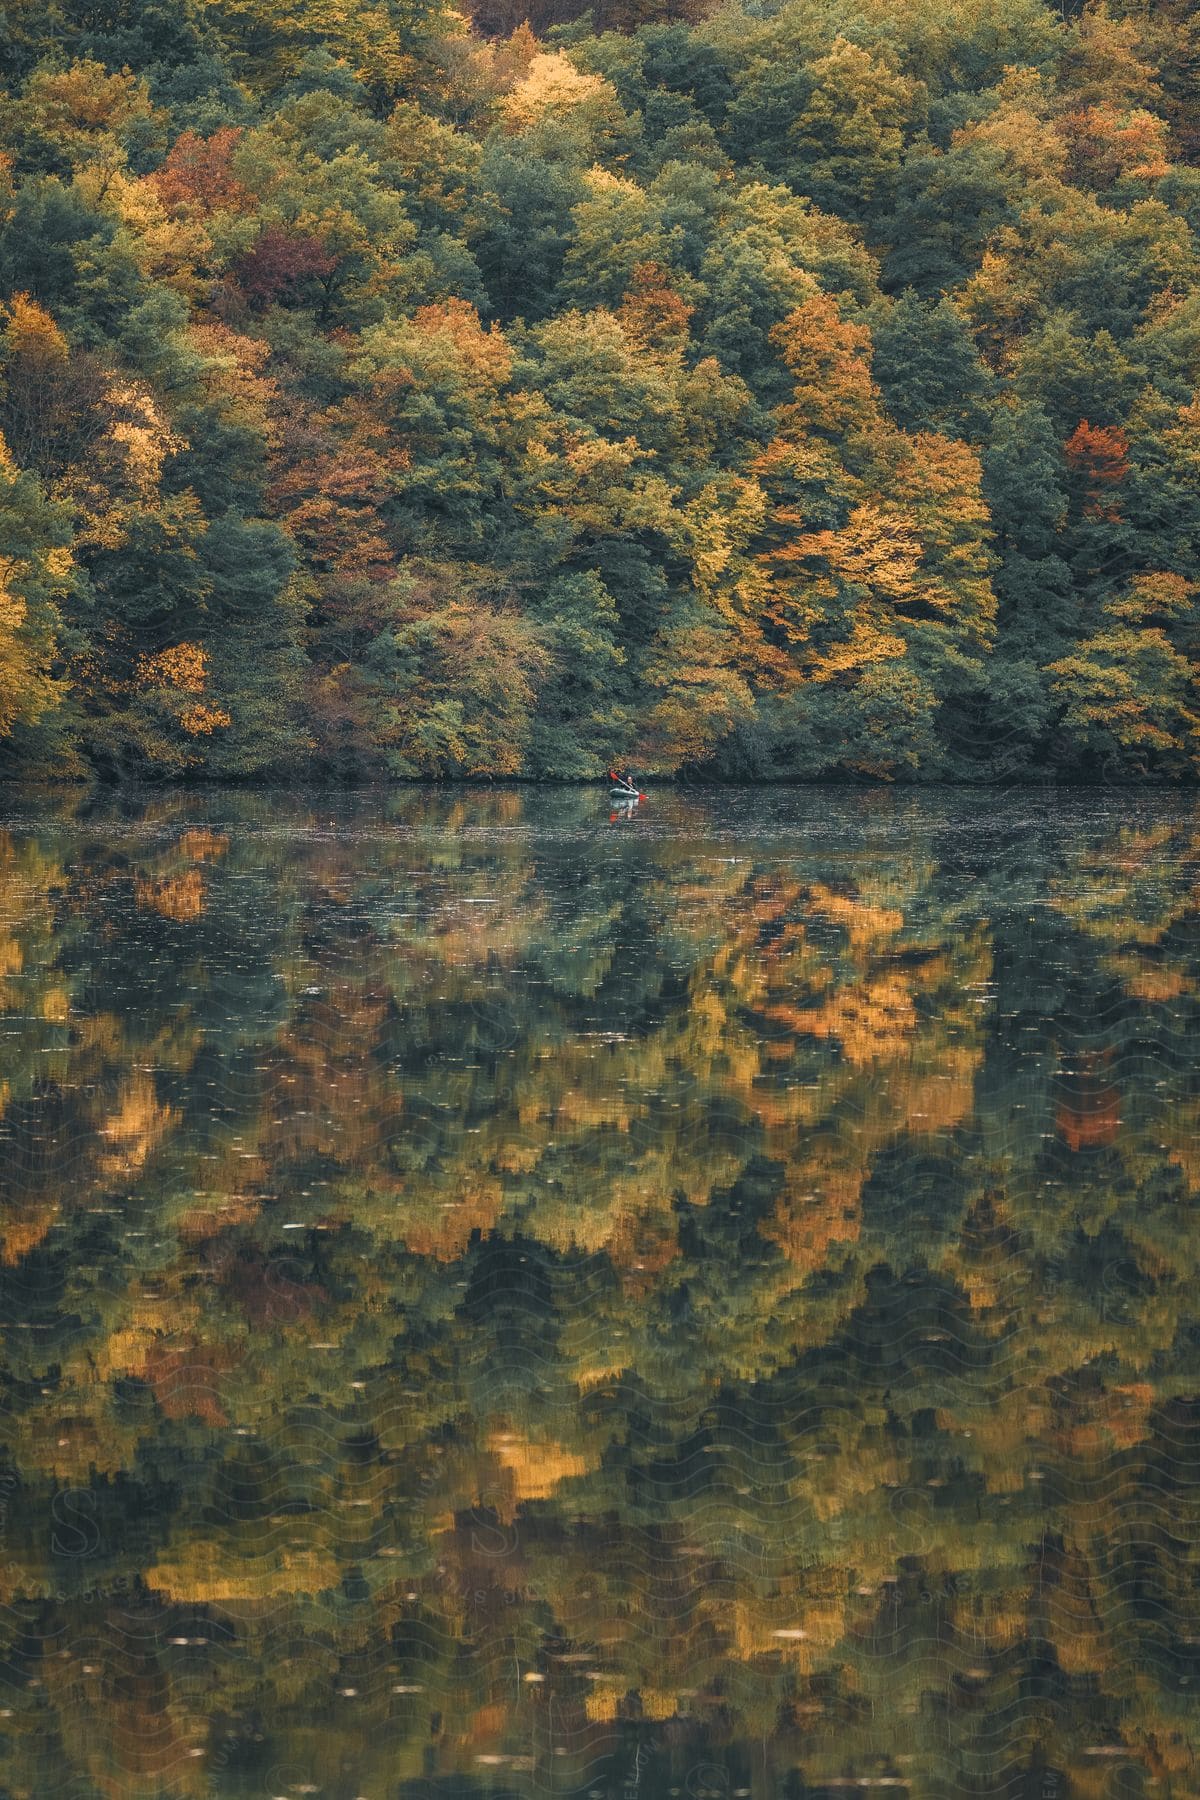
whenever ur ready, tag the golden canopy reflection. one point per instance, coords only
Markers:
(502, 1300)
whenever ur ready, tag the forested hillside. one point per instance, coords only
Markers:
(779, 391)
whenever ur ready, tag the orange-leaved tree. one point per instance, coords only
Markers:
(875, 547)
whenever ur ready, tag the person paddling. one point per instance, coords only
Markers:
(623, 780)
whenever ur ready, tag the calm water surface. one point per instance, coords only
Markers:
(501, 1300)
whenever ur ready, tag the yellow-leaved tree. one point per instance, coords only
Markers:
(875, 546)
(35, 572)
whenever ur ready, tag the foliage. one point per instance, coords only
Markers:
(828, 372)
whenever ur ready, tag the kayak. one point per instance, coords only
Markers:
(626, 794)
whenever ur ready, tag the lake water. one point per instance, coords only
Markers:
(499, 1299)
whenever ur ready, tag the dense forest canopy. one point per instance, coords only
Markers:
(779, 390)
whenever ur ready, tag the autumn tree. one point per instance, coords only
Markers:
(36, 573)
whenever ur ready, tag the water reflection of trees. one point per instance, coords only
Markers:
(492, 1300)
